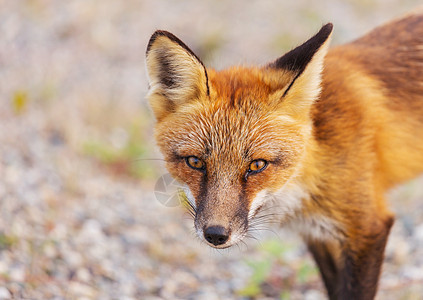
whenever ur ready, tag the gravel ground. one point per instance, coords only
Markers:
(79, 225)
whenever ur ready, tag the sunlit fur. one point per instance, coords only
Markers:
(348, 128)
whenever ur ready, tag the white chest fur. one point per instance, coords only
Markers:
(286, 205)
(316, 227)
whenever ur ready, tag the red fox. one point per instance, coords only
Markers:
(316, 137)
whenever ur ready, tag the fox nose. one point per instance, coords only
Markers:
(216, 235)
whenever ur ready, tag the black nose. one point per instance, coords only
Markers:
(216, 235)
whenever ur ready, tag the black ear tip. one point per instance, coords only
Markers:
(319, 38)
(298, 58)
(157, 34)
(326, 29)
(173, 38)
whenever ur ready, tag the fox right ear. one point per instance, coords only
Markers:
(176, 74)
(305, 65)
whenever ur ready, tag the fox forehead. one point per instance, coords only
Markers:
(252, 87)
(209, 129)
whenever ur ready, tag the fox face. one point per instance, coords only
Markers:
(237, 138)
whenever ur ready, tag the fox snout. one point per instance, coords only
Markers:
(223, 234)
(216, 235)
(221, 220)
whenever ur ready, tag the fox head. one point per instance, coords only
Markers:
(235, 138)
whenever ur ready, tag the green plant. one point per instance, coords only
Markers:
(271, 255)
(7, 241)
(127, 158)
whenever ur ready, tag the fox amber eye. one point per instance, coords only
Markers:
(257, 165)
(195, 163)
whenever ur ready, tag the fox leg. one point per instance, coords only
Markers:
(361, 262)
(350, 269)
(326, 256)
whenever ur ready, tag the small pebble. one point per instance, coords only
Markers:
(4, 293)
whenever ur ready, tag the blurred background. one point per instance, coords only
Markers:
(79, 218)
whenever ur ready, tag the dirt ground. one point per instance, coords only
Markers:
(84, 212)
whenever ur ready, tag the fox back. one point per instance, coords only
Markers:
(312, 139)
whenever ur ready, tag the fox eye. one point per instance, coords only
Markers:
(257, 165)
(194, 162)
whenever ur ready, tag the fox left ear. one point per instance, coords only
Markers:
(176, 74)
(304, 66)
